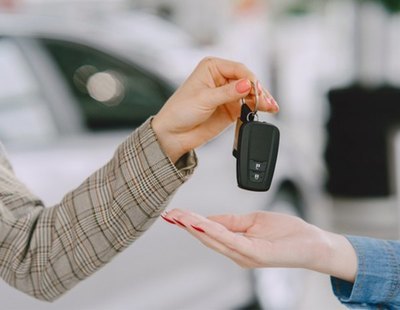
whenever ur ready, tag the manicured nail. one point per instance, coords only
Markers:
(167, 219)
(179, 222)
(243, 86)
(198, 228)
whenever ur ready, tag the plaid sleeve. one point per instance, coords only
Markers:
(46, 251)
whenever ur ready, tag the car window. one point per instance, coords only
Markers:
(111, 92)
(24, 114)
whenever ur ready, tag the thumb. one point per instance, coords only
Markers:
(229, 92)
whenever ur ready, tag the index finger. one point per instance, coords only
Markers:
(225, 69)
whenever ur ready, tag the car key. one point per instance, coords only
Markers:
(256, 149)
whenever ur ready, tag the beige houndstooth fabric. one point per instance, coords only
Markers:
(46, 251)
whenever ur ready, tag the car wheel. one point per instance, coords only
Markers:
(280, 288)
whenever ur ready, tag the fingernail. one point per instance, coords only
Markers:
(179, 222)
(243, 86)
(198, 228)
(167, 219)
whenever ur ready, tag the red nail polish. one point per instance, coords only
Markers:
(198, 228)
(243, 86)
(167, 219)
(179, 222)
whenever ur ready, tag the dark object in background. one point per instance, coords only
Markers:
(357, 151)
(392, 6)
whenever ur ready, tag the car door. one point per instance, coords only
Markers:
(79, 103)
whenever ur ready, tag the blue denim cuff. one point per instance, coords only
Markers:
(377, 282)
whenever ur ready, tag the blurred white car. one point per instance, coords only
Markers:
(69, 94)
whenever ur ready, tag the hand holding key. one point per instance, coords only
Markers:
(205, 104)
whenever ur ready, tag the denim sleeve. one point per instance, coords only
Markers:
(377, 283)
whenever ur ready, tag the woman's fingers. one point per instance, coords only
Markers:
(233, 81)
(235, 222)
(205, 231)
(230, 92)
(214, 230)
(234, 91)
(223, 70)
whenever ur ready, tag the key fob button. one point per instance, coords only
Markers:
(256, 177)
(258, 165)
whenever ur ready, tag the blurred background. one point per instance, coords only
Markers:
(77, 76)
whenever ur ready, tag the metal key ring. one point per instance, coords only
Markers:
(254, 114)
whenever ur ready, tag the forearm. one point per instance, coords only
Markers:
(365, 271)
(377, 283)
(54, 248)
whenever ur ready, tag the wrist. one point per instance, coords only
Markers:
(338, 257)
(167, 140)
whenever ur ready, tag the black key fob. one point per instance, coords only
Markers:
(256, 152)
